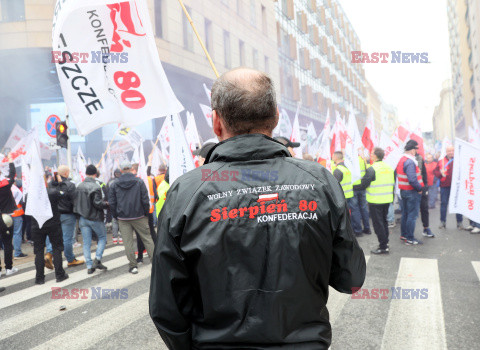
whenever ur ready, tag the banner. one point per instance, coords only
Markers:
(164, 136)
(191, 132)
(465, 190)
(108, 65)
(25, 176)
(352, 147)
(284, 126)
(369, 138)
(181, 159)
(132, 136)
(16, 135)
(297, 137)
(208, 92)
(207, 113)
(118, 149)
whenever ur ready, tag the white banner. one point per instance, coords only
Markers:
(297, 137)
(284, 126)
(465, 190)
(108, 65)
(191, 132)
(207, 113)
(15, 136)
(181, 159)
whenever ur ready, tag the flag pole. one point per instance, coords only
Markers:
(199, 39)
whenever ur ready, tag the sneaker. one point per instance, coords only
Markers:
(120, 241)
(11, 271)
(20, 256)
(380, 251)
(403, 238)
(367, 232)
(133, 270)
(413, 242)
(40, 280)
(63, 278)
(115, 241)
(90, 270)
(49, 261)
(469, 228)
(75, 262)
(358, 234)
(140, 260)
(460, 226)
(97, 264)
(392, 224)
(475, 230)
(443, 224)
(31, 242)
(76, 244)
(428, 233)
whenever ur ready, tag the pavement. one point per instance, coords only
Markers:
(446, 269)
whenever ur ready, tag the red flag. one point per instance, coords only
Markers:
(417, 136)
(368, 137)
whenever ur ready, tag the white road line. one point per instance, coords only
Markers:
(416, 323)
(20, 276)
(336, 301)
(37, 290)
(89, 333)
(31, 318)
(476, 267)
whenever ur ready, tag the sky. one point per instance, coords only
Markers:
(407, 26)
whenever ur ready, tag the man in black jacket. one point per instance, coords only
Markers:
(130, 205)
(7, 206)
(88, 203)
(248, 243)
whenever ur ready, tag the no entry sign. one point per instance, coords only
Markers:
(50, 125)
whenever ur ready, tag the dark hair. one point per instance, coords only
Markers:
(246, 104)
(379, 153)
(338, 154)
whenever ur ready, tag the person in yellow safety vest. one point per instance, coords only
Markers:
(359, 206)
(343, 176)
(379, 181)
(162, 192)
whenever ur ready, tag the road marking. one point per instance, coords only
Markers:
(476, 267)
(33, 317)
(20, 276)
(416, 323)
(94, 330)
(37, 290)
(337, 300)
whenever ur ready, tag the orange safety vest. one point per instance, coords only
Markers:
(159, 179)
(403, 183)
(18, 212)
(151, 194)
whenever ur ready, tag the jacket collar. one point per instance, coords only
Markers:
(89, 179)
(246, 147)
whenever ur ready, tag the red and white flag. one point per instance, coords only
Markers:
(207, 113)
(324, 150)
(369, 138)
(181, 160)
(296, 136)
(191, 132)
(417, 136)
(267, 197)
(15, 136)
(208, 92)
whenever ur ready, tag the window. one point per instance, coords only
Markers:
(225, 2)
(208, 36)
(255, 58)
(239, 8)
(267, 65)
(264, 20)
(253, 15)
(160, 16)
(226, 47)
(241, 46)
(187, 31)
(12, 10)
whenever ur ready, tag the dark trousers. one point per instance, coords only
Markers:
(444, 198)
(140, 245)
(27, 227)
(55, 235)
(424, 210)
(6, 235)
(378, 213)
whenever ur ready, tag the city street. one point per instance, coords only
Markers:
(448, 266)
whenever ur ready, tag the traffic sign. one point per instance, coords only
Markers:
(50, 125)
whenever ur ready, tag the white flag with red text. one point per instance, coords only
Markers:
(297, 137)
(207, 113)
(369, 138)
(181, 159)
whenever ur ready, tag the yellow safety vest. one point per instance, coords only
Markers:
(363, 169)
(380, 191)
(162, 190)
(346, 182)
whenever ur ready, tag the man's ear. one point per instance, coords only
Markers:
(217, 124)
(277, 118)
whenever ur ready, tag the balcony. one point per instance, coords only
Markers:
(470, 61)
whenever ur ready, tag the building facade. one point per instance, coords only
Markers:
(443, 117)
(315, 42)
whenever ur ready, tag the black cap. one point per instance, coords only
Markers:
(411, 144)
(286, 142)
(91, 170)
(202, 152)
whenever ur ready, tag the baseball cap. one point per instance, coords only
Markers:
(125, 165)
(286, 142)
(203, 152)
(411, 144)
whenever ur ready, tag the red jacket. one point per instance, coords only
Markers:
(448, 167)
(430, 175)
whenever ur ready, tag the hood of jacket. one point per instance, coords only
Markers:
(126, 181)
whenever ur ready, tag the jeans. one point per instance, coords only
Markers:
(410, 208)
(379, 221)
(87, 227)
(68, 228)
(359, 207)
(444, 198)
(391, 213)
(432, 195)
(17, 235)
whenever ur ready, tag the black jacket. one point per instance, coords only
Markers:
(235, 269)
(128, 197)
(7, 202)
(65, 204)
(88, 202)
